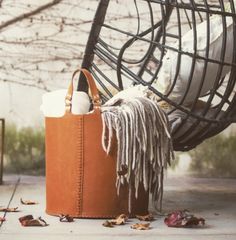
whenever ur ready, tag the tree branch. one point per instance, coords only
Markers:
(29, 14)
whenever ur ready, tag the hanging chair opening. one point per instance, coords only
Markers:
(183, 50)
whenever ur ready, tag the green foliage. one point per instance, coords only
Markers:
(24, 150)
(215, 157)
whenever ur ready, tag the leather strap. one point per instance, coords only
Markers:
(92, 86)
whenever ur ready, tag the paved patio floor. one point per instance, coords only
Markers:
(213, 199)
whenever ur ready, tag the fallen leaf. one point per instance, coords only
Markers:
(9, 209)
(29, 221)
(120, 220)
(141, 226)
(2, 219)
(123, 216)
(32, 223)
(43, 221)
(26, 217)
(183, 219)
(28, 202)
(108, 224)
(149, 217)
(66, 218)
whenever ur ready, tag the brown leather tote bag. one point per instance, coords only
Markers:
(80, 176)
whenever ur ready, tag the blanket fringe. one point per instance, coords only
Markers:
(144, 145)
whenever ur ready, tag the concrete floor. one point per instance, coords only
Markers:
(213, 199)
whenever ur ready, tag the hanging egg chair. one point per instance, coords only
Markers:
(184, 51)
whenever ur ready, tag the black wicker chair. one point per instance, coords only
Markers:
(118, 55)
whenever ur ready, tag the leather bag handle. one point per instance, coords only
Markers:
(92, 86)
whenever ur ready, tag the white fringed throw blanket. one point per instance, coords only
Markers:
(144, 146)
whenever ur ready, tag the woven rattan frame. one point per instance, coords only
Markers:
(100, 52)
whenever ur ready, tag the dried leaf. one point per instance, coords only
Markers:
(28, 202)
(183, 219)
(108, 224)
(124, 216)
(32, 223)
(141, 226)
(2, 219)
(29, 221)
(9, 209)
(120, 220)
(149, 217)
(66, 218)
(43, 221)
(26, 217)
